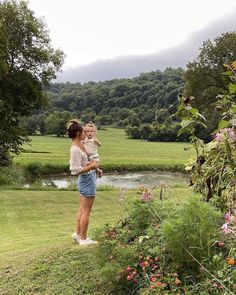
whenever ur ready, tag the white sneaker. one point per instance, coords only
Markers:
(75, 237)
(87, 242)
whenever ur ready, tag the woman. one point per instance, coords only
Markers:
(80, 165)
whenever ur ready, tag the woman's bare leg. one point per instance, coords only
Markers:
(86, 206)
(78, 217)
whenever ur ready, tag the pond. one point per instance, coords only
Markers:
(124, 180)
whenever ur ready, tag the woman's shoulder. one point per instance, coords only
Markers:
(75, 148)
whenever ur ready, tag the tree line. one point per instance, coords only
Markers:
(147, 100)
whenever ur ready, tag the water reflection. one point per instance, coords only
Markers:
(127, 180)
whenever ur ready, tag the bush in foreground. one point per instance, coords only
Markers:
(164, 248)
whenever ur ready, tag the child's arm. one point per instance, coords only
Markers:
(97, 142)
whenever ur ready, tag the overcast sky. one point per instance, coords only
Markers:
(96, 34)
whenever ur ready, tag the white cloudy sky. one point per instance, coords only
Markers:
(91, 30)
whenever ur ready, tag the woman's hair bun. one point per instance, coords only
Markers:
(73, 127)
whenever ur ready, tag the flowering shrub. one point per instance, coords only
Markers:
(190, 235)
(146, 195)
(164, 248)
(148, 273)
(229, 226)
(213, 173)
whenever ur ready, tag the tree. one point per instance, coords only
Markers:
(132, 132)
(134, 121)
(204, 79)
(42, 124)
(56, 122)
(146, 131)
(27, 63)
(30, 124)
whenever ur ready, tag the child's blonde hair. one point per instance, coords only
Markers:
(90, 124)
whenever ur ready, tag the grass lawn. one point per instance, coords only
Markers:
(63, 270)
(37, 255)
(37, 219)
(117, 152)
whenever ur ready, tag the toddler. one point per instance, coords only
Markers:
(91, 144)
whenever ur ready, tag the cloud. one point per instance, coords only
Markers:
(130, 66)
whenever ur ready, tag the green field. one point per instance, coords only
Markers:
(117, 152)
(36, 219)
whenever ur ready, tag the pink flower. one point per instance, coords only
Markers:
(225, 133)
(142, 264)
(225, 228)
(221, 287)
(147, 197)
(221, 244)
(227, 216)
(129, 278)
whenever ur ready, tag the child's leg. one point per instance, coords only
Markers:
(100, 172)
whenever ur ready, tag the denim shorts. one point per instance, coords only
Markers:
(87, 184)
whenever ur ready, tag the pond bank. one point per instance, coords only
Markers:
(127, 180)
(36, 169)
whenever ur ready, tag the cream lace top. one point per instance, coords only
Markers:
(78, 160)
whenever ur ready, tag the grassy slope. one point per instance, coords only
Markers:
(117, 152)
(61, 270)
(37, 255)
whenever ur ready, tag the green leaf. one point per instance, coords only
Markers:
(233, 122)
(216, 257)
(201, 116)
(188, 108)
(182, 131)
(233, 108)
(186, 123)
(220, 274)
(223, 124)
(227, 73)
(180, 107)
(232, 88)
(194, 111)
(203, 125)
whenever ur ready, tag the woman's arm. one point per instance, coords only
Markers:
(91, 166)
(75, 162)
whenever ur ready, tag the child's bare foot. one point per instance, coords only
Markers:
(100, 172)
